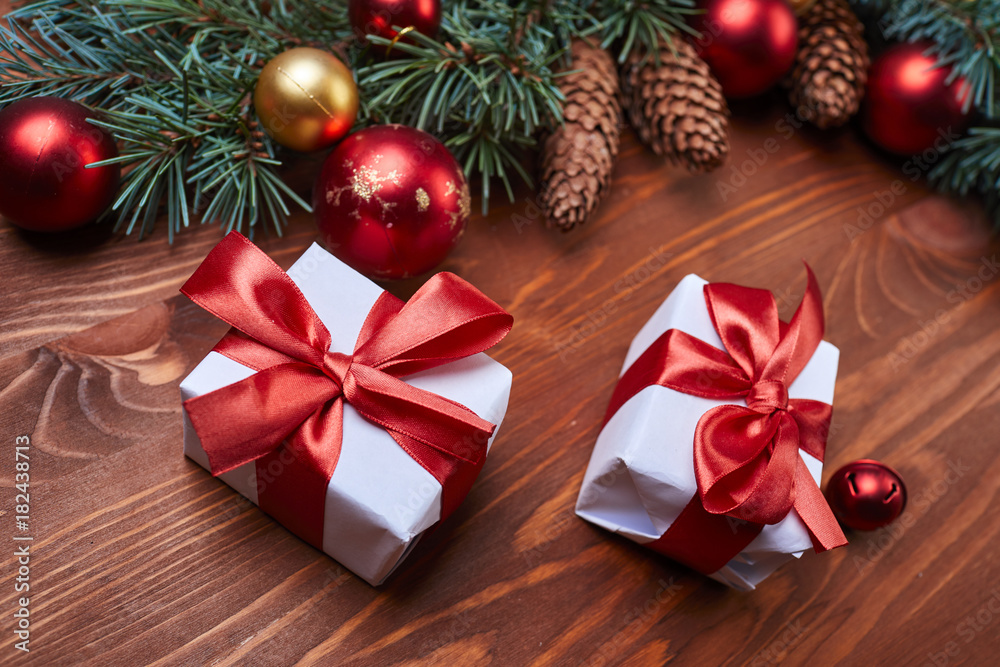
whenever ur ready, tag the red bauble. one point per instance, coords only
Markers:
(45, 145)
(908, 106)
(749, 44)
(866, 495)
(376, 17)
(391, 201)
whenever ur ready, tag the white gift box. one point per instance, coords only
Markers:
(641, 473)
(379, 500)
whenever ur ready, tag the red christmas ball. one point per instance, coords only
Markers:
(376, 17)
(45, 145)
(749, 44)
(866, 495)
(391, 201)
(909, 106)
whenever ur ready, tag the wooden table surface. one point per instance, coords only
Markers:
(140, 556)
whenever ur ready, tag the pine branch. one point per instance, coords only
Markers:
(973, 164)
(486, 85)
(642, 25)
(965, 35)
(172, 79)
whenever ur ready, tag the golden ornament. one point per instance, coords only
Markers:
(800, 7)
(306, 99)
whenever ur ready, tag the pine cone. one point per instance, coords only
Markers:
(578, 157)
(831, 68)
(677, 106)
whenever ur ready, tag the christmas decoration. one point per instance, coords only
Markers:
(346, 404)
(46, 144)
(831, 68)
(391, 201)
(376, 17)
(170, 79)
(749, 44)
(677, 106)
(306, 99)
(578, 157)
(716, 452)
(911, 104)
(866, 494)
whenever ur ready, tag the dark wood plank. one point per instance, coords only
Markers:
(140, 556)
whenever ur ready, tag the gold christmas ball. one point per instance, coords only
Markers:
(306, 99)
(800, 7)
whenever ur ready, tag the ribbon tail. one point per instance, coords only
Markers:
(815, 512)
(456, 474)
(418, 415)
(300, 469)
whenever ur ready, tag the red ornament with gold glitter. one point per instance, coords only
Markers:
(376, 17)
(749, 44)
(46, 144)
(391, 201)
(910, 105)
(866, 494)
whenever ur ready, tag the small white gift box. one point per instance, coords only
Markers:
(379, 500)
(641, 473)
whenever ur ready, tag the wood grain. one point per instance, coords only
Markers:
(140, 557)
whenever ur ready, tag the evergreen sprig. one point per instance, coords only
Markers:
(643, 25)
(964, 35)
(173, 80)
(487, 84)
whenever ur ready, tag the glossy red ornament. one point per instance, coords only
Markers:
(45, 145)
(908, 105)
(866, 494)
(391, 201)
(376, 17)
(749, 44)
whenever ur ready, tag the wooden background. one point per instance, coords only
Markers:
(140, 556)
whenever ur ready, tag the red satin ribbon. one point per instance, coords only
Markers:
(288, 416)
(746, 458)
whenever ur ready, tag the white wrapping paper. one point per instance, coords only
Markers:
(379, 500)
(641, 473)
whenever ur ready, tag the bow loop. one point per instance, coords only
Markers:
(446, 319)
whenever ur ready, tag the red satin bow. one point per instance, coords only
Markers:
(288, 416)
(746, 458)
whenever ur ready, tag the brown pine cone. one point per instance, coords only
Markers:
(579, 156)
(677, 106)
(831, 69)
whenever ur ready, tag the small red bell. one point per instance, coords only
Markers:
(866, 494)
